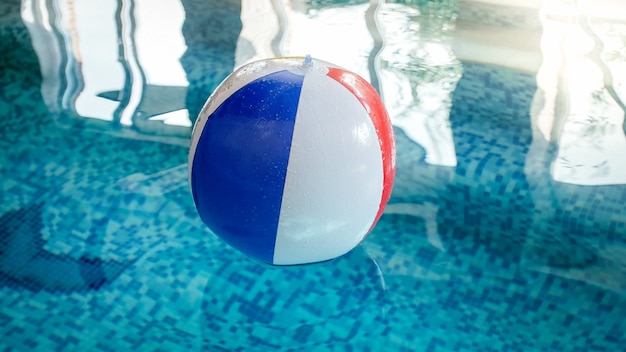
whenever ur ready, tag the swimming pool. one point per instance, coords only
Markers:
(505, 231)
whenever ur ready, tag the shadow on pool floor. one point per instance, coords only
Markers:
(24, 261)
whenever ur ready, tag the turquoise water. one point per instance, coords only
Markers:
(506, 228)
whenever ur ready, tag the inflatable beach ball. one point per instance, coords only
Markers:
(292, 160)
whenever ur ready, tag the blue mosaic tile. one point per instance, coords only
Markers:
(101, 248)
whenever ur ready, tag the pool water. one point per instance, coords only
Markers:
(505, 231)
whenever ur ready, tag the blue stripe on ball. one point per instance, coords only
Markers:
(240, 164)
